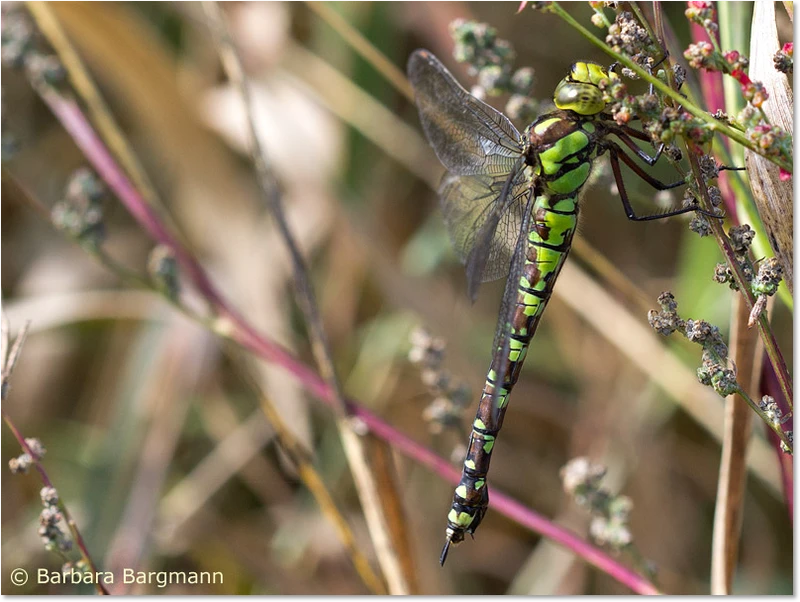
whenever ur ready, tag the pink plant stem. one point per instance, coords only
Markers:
(73, 120)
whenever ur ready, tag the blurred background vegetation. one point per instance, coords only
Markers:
(157, 444)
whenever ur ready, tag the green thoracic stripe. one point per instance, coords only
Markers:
(567, 146)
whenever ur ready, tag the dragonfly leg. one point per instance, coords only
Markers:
(616, 151)
(616, 154)
(625, 133)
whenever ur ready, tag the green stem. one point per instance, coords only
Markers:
(713, 124)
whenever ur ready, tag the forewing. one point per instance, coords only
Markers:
(470, 204)
(469, 136)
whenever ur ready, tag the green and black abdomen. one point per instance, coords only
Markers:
(562, 147)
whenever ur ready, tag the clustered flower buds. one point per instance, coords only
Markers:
(724, 275)
(52, 536)
(80, 213)
(22, 463)
(763, 284)
(768, 278)
(775, 416)
(702, 13)
(703, 55)
(741, 238)
(449, 397)
(491, 59)
(610, 513)
(22, 49)
(628, 37)
(770, 139)
(714, 371)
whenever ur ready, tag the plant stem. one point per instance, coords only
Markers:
(71, 524)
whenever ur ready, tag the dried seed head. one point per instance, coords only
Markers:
(579, 474)
(700, 225)
(80, 213)
(741, 238)
(770, 274)
(628, 37)
(700, 331)
(709, 169)
(715, 196)
(724, 275)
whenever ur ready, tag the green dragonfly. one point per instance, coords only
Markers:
(510, 203)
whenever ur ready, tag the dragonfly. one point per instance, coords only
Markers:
(510, 204)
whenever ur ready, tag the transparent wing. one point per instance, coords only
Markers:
(469, 136)
(482, 224)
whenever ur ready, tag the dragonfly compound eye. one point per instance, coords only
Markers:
(583, 98)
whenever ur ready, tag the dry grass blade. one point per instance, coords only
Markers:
(360, 44)
(774, 197)
(390, 496)
(61, 309)
(747, 353)
(355, 107)
(301, 459)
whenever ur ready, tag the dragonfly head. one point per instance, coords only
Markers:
(580, 90)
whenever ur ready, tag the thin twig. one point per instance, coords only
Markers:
(9, 359)
(785, 461)
(356, 40)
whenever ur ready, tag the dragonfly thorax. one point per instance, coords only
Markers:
(580, 90)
